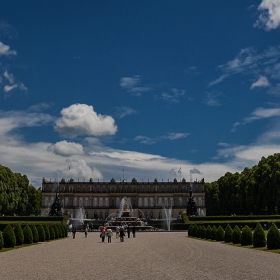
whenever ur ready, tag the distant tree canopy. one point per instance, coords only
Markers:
(255, 191)
(16, 195)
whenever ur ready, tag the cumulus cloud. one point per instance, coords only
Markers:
(6, 50)
(261, 82)
(82, 119)
(195, 171)
(9, 77)
(270, 15)
(66, 149)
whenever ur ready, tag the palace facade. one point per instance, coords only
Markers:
(100, 199)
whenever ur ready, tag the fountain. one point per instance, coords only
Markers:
(167, 217)
(80, 215)
(124, 216)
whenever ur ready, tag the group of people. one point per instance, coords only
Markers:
(104, 231)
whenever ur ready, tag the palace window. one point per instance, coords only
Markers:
(66, 202)
(146, 204)
(75, 202)
(81, 202)
(100, 201)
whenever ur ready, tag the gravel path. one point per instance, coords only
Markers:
(151, 255)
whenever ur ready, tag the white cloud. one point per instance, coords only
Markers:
(5, 50)
(9, 77)
(7, 30)
(66, 149)
(270, 15)
(21, 86)
(82, 119)
(133, 84)
(213, 98)
(175, 136)
(174, 96)
(217, 81)
(261, 82)
(125, 111)
(145, 140)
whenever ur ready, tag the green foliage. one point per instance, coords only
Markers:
(228, 233)
(9, 237)
(47, 232)
(254, 190)
(28, 236)
(236, 235)
(220, 234)
(65, 231)
(195, 230)
(198, 232)
(190, 230)
(202, 232)
(52, 233)
(34, 233)
(213, 233)
(19, 235)
(1, 240)
(34, 201)
(59, 230)
(259, 239)
(246, 236)
(41, 233)
(273, 237)
(208, 232)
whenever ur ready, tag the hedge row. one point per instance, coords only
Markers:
(233, 218)
(19, 235)
(236, 236)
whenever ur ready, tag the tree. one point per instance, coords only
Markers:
(259, 239)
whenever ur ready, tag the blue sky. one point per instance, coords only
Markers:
(124, 89)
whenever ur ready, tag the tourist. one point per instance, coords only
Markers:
(109, 234)
(74, 230)
(117, 231)
(125, 227)
(133, 231)
(103, 233)
(86, 231)
(128, 231)
(122, 234)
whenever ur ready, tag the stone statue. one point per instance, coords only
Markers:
(126, 207)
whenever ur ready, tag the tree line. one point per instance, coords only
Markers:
(17, 197)
(255, 190)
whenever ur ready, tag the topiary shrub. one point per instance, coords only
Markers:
(273, 238)
(28, 236)
(56, 236)
(59, 230)
(228, 234)
(236, 235)
(1, 241)
(195, 230)
(220, 234)
(246, 236)
(65, 231)
(208, 232)
(213, 233)
(41, 233)
(34, 233)
(202, 232)
(190, 230)
(19, 235)
(9, 237)
(52, 233)
(259, 239)
(47, 232)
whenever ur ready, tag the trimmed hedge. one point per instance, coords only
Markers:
(190, 230)
(47, 232)
(259, 239)
(208, 232)
(1, 241)
(236, 235)
(246, 236)
(213, 233)
(9, 237)
(19, 235)
(34, 233)
(203, 232)
(41, 233)
(28, 236)
(220, 234)
(273, 238)
(228, 234)
(52, 233)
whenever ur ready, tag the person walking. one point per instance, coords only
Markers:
(133, 231)
(128, 231)
(86, 231)
(117, 231)
(122, 234)
(74, 230)
(109, 234)
(103, 233)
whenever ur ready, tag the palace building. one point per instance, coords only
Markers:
(100, 199)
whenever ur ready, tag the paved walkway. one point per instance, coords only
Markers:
(151, 255)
